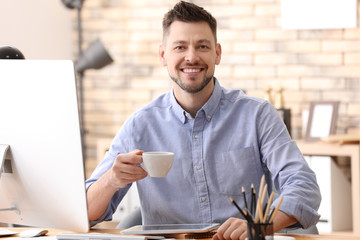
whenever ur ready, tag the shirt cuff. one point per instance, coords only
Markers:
(107, 216)
(305, 215)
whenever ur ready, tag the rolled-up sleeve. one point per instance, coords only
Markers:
(293, 179)
(119, 194)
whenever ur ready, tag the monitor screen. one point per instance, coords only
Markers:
(42, 176)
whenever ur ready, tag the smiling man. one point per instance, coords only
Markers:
(190, 53)
(222, 140)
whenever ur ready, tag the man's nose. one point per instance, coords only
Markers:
(191, 56)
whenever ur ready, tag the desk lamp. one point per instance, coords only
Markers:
(7, 52)
(95, 57)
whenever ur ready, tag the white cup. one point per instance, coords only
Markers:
(157, 164)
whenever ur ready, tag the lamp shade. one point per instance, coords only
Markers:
(95, 56)
(73, 3)
(7, 52)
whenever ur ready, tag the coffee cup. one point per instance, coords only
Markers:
(157, 164)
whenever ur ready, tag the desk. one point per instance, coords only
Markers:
(53, 232)
(338, 150)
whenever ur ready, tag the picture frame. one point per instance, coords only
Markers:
(285, 115)
(322, 120)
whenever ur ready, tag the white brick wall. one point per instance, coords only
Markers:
(311, 65)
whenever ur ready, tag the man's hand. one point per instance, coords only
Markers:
(126, 169)
(236, 228)
(231, 229)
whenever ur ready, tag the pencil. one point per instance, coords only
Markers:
(270, 215)
(253, 199)
(261, 187)
(276, 209)
(268, 206)
(257, 210)
(244, 194)
(246, 217)
(258, 207)
(262, 199)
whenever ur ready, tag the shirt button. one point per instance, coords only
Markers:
(209, 117)
(203, 199)
(198, 167)
(196, 136)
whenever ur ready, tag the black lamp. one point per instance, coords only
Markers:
(7, 52)
(94, 57)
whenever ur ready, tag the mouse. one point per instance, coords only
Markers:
(36, 232)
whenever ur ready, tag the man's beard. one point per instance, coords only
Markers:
(204, 82)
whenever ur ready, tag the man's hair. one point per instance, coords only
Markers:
(188, 12)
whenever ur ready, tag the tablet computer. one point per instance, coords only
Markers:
(171, 228)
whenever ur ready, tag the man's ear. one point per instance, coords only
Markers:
(218, 54)
(162, 55)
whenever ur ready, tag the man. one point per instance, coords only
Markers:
(222, 140)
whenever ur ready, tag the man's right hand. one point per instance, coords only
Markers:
(126, 169)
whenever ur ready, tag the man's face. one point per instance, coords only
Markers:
(190, 53)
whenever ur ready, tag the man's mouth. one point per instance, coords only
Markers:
(191, 70)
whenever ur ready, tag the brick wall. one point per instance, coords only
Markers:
(311, 65)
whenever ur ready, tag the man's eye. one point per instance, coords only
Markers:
(179, 47)
(204, 47)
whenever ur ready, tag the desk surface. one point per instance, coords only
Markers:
(337, 236)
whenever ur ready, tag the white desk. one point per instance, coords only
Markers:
(338, 150)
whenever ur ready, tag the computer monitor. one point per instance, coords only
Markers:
(42, 176)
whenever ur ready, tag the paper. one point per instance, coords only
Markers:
(107, 236)
(40, 238)
(318, 14)
(5, 232)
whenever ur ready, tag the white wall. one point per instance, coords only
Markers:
(40, 29)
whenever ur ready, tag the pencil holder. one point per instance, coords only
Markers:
(258, 231)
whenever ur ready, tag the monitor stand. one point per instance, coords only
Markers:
(3, 150)
(3, 153)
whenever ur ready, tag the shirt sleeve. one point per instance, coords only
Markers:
(292, 177)
(104, 166)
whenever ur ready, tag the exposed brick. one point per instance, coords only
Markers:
(254, 47)
(275, 34)
(254, 71)
(352, 33)
(252, 22)
(352, 58)
(321, 59)
(267, 9)
(340, 46)
(311, 65)
(353, 109)
(320, 34)
(274, 58)
(323, 83)
(300, 46)
(295, 70)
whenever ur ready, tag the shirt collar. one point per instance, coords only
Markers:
(209, 107)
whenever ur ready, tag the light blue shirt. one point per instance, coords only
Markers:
(233, 140)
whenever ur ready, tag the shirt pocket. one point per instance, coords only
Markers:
(235, 169)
